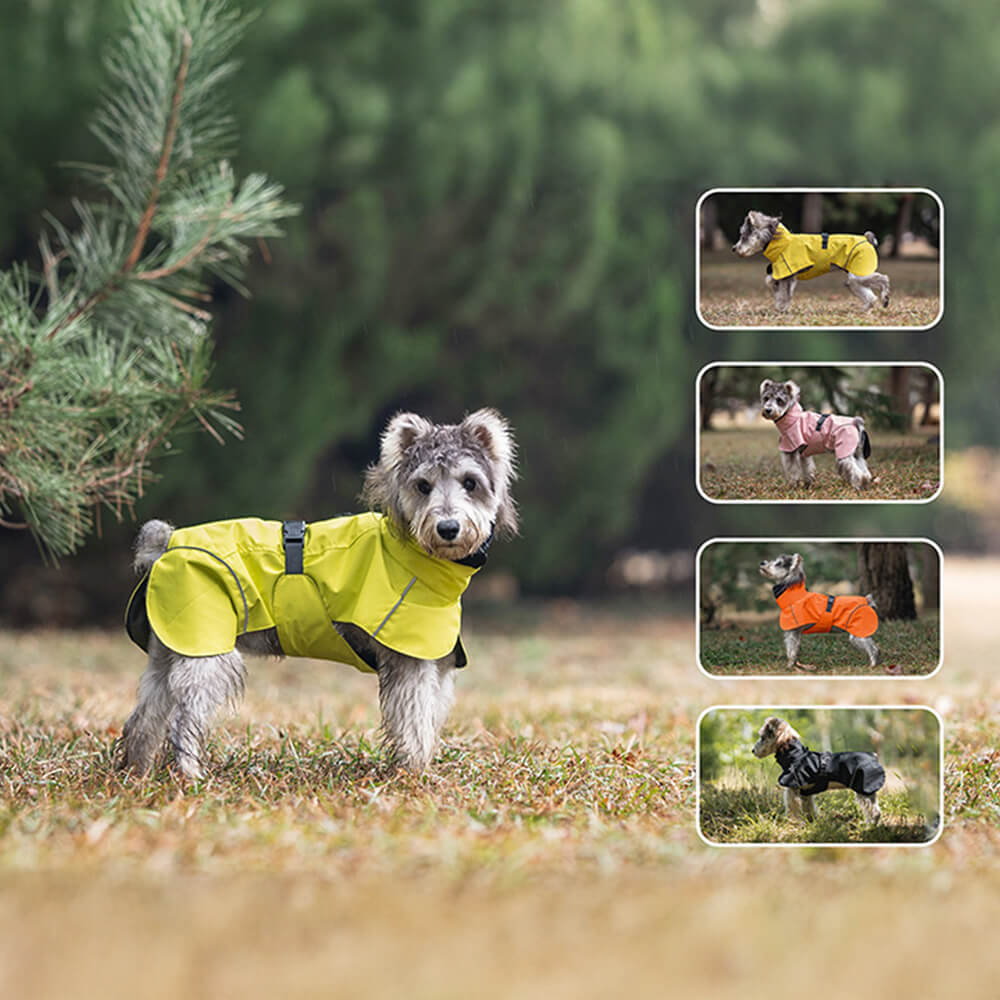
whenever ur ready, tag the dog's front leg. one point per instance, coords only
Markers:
(793, 803)
(784, 289)
(415, 697)
(793, 642)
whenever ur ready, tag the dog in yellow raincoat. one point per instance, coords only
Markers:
(805, 612)
(803, 256)
(380, 591)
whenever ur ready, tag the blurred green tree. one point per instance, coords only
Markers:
(105, 356)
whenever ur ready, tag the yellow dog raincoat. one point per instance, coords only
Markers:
(219, 580)
(824, 612)
(808, 255)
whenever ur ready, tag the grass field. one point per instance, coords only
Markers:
(550, 852)
(743, 464)
(746, 808)
(732, 293)
(755, 648)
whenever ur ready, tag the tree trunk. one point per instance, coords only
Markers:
(930, 578)
(709, 384)
(899, 393)
(812, 212)
(904, 219)
(885, 573)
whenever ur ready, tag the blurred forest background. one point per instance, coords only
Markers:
(498, 206)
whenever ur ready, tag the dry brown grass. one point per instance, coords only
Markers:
(733, 294)
(551, 851)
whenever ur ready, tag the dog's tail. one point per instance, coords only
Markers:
(864, 441)
(871, 237)
(151, 543)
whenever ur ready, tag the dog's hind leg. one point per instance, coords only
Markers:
(868, 804)
(146, 728)
(200, 686)
(415, 696)
(854, 471)
(859, 287)
(881, 284)
(868, 646)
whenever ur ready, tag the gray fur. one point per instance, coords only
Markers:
(758, 230)
(447, 486)
(776, 398)
(789, 570)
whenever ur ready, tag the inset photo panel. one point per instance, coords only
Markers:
(813, 432)
(801, 258)
(787, 775)
(819, 607)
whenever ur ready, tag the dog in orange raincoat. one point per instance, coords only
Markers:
(805, 612)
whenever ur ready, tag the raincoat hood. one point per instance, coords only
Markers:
(220, 580)
(808, 255)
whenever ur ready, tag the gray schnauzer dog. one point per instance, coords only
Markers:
(798, 257)
(805, 612)
(379, 591)
(806, 773)
(805, 433)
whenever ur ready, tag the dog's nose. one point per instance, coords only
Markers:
(448, 530)
(763, 562)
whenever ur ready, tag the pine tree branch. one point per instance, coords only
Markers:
(166, 150)
(145, 223)
(193, 254)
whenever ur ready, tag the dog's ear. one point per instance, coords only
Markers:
(491, 433)
(400, 434)
(793, 388)
(757, 219)
(765, 385)
(796, 562)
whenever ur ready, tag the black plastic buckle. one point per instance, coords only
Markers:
(826, 240)
(293, 537)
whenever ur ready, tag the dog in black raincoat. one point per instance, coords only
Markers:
(806, 773)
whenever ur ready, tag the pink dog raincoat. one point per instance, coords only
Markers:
(817, 432)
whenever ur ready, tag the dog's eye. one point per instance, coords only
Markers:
(423, 486)
(469, 484)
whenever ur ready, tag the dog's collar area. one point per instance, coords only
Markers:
(780, 588)
(478, 558)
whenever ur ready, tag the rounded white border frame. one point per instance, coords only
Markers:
(814, 677)
(813, 190)
(817, 364)
(811, 844)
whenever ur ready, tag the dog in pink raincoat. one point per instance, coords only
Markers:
(805, 433)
